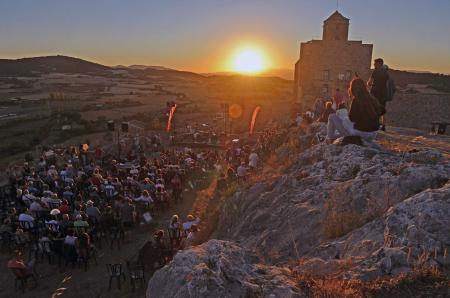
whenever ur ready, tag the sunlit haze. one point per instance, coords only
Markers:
(201, 35)
(248, 61)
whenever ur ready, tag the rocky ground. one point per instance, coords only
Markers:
(345, 212)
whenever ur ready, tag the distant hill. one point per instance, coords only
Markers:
(144, 67)
(48, 64)
(436, 81)
(286, 74)
(64, 64)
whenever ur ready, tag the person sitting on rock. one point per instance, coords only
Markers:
(191, 220)
(364, 114)
(191, 237)
(327, 112)
(162, 253)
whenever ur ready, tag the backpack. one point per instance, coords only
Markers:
(390, 89)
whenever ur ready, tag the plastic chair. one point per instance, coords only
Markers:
(54, 228)
(115, 234)
(53, 205)
(115, 272)
(46, 250)
(6, 240)
(70, 254)
(136, 273)
(22, 278)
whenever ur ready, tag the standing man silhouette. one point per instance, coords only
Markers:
(378, 86)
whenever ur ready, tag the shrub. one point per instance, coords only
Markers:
(425, 282)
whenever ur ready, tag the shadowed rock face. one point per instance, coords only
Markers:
(413, 232)
(284, 219)
(220, 269)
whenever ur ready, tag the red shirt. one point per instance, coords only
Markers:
(17, 264)
(338, 98)
(64, 208)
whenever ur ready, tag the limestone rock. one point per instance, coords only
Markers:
(284, 218)
(220, 269)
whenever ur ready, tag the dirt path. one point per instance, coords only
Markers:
(94, 283)
(406, 139)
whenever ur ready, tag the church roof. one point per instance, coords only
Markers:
(336, 16)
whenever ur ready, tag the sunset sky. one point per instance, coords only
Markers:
(202, 35)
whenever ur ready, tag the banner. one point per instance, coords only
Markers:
(172, 111)
(255, 114)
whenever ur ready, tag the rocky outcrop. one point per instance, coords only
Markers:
(220, 269)
(339, 211)
(412, 233)
(290, 216)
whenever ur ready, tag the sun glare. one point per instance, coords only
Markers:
(248, 61)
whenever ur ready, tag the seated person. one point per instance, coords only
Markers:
(128, 213)
(37, 206)
(6, 226)
(64, 207)
(26, 216)
(190, 222)
(328, 111)
(65, 224)
(144, 197)
(70, 238)
(80, 224)
(92, 211)
(242, 171)
(191, 237)
(18, 263)
(365, 112)
(107, 218)
(83, 245)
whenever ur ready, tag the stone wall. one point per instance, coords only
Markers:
(338, 58)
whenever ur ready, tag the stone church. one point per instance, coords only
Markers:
(330, 63)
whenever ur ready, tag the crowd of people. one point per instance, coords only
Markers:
(70, 205)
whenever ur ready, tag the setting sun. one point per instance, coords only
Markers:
(248, 60)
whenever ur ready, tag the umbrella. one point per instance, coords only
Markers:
(55, 212)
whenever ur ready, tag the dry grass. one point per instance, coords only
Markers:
(424, 282)
(340, 218)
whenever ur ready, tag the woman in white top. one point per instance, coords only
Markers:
(190, 222)
(174, 223)
(191, 237)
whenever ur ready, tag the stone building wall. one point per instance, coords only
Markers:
(325, 65)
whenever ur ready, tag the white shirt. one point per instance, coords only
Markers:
(241, 171)
(189, 240)
(144, 199)
(25, 217)
(187, 225)
(35, 206)
(70, 240)
(253, 160)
